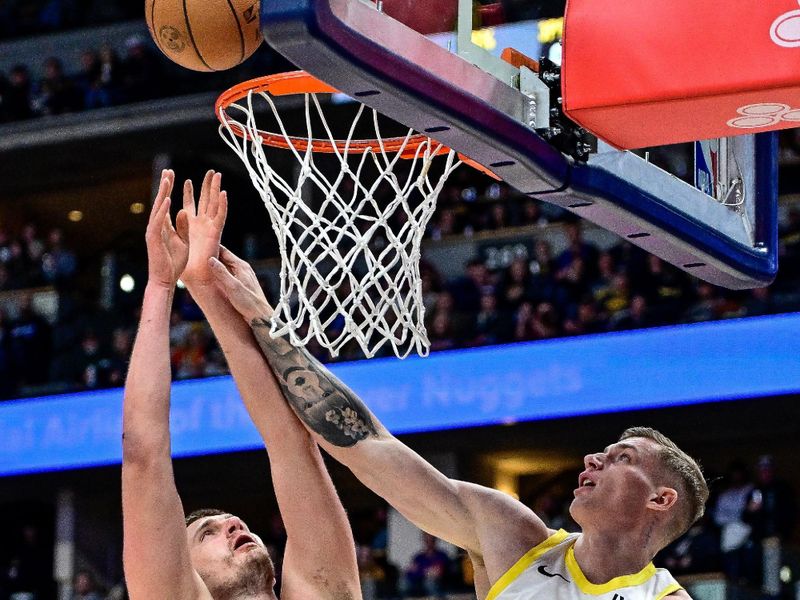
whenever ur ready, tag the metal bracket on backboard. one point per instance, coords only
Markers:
(538, 92)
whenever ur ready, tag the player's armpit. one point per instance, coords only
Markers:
(679, 595)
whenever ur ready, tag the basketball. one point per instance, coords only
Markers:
(205, 35)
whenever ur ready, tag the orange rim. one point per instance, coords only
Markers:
(300, 82)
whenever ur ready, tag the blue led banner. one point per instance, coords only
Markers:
(576, 376)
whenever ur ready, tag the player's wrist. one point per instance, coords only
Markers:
(258, 309)
(157, 288)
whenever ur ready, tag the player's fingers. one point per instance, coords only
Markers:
(160, 216)
(182, 224)
(213, 198)
(205, 192)
(163, 192)
(221, 274)
(228, 257)
(222, 210)
(188, 197)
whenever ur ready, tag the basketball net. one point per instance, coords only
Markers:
(349, 231)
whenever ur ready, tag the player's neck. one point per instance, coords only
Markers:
(603, 556)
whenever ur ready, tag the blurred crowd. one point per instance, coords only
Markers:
(529, 293)
(103, 79)
(20, 18)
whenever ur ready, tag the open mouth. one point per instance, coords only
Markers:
(241, 541)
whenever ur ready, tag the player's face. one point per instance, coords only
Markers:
(227, 556)
(616, 485)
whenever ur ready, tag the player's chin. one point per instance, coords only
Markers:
(578, 510)
(260, 556)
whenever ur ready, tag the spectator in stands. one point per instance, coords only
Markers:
(444, 225)
(141, 71)
(636, 316)
(84, 367)
(758, 302)
(574, 278)
(56, 94)
(728, 513)
(8, 381)
(666, 287)
(515, 285)
(577, 248)
(490, 325)
(33, 250)
(88, 81)
(705, 307)
(467, 290)
(531, 213)
(789, 235)
(496, 217)
(431, 282)
(84, 587)
(28, 572)
(617, 297)
(110, 74)
(428, 573)
(771, 512)
(586, 320)
(57, 14)
(117, 362)
(545, 322)
(696, 551)
(29, 341)
(58, 262)
(17, 98)
(442, 334)
(522, 331)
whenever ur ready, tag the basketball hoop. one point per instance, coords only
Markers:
(350, 256)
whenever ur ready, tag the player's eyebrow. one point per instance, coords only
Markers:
(622, 445)
(206, 523)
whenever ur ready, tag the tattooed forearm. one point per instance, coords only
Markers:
(321, 401)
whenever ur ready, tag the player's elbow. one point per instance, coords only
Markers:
(143, 450)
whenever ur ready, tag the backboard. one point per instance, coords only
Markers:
(724, 230)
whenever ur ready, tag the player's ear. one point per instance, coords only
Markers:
(662, 499)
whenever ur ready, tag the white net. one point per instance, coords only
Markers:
(349, 226)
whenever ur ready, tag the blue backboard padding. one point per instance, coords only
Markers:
(647, 369)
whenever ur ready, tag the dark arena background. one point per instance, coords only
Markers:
(549, 336)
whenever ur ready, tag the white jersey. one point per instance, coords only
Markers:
(549, 571)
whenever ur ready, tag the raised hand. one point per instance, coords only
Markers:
(205, 222)
(167, 251)
(238, 282)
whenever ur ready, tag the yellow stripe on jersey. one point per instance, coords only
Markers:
(674, 587)
(524, 562)
(587, 587)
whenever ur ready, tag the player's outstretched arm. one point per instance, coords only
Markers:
(485, 522)
(319, 560)
(155, 550)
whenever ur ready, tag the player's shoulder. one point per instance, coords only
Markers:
(491, 501)
(502, 514)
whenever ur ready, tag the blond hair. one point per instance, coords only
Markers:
(683, 473)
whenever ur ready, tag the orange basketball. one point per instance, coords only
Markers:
(205, 35)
